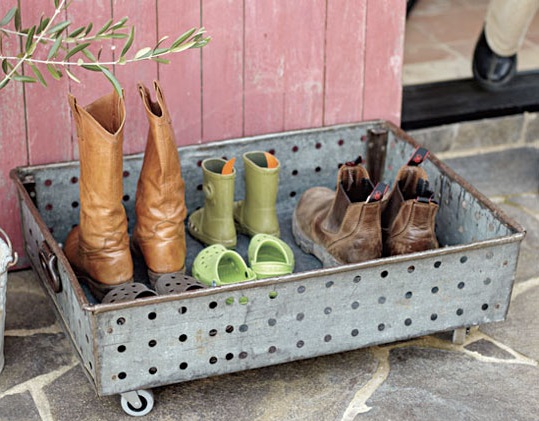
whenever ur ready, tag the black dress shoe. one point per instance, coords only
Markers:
(490, 70)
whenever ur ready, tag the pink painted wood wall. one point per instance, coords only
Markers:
(272, 65)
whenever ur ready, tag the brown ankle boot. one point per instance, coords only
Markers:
(98, 248)
(344, 226)
(159, 231)
(409, 212)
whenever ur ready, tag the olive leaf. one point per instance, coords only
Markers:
(9, 15)
(129, 42)
(38, 74)
(75, 50)
(66, 48)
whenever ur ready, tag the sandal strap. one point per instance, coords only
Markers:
(284, 257)
(216, 265)
(177, 284)
(128, 292)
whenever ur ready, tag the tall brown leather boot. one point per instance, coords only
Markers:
(408, 218)
(344, 226)
(159, 231)
(98, 248)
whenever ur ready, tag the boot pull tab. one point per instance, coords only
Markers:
(143, 91)
(76, 114)
(271, 161)
(378, 193)
(358, 161)
(72, 102)
(158, 92)
(228, 168)
(347, 175)
(419, 155)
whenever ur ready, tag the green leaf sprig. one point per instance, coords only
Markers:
(68, 49)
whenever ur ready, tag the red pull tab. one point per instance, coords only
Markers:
(378, 193)
(359, 160)
(419, 155)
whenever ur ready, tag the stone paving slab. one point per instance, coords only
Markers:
(427, 384)
(492, 376)
(528, 262)
(504, 173)
(520, 329)
(19, 407)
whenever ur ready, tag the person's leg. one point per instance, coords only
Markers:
(506, 24)
(495, 55)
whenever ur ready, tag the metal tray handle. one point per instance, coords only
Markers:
(49, 263)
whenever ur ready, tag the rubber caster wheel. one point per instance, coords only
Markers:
(137, 403)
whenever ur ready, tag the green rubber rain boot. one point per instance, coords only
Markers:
(257, 213)
(214, 223)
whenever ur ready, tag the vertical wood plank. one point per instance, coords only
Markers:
(303, 41)
(142, 15)
(13, 148)
(47, 110)
(264, 67)
(93, 84)
(222, 76)
(383, 60)
(284, 65)
(345, 56)
(181, 79)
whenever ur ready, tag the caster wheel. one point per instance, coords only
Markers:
(137, 403)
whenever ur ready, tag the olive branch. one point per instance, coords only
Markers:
(68, 49)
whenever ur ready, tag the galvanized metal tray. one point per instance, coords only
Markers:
(130, 346)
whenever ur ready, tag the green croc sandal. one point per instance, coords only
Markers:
(270, 256)
(216, 265)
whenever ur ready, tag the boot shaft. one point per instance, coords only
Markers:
(99, 246)
(218, 212)
(353, 186)
(261, 179)
(100, 138)
(409, 215)
(214, 223)
(161, 188)
(257, 213)
(218, 191)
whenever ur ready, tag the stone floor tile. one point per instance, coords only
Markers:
(500, 173)
(489, 349)
(72, 397)
(484, 133)
(31, 356)
(430, 384)
(436, 140)
(528, 202)
(520, 330)
(314, 389)
(18, 407)
(28, 309)
(532, 127)
(528, 264)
